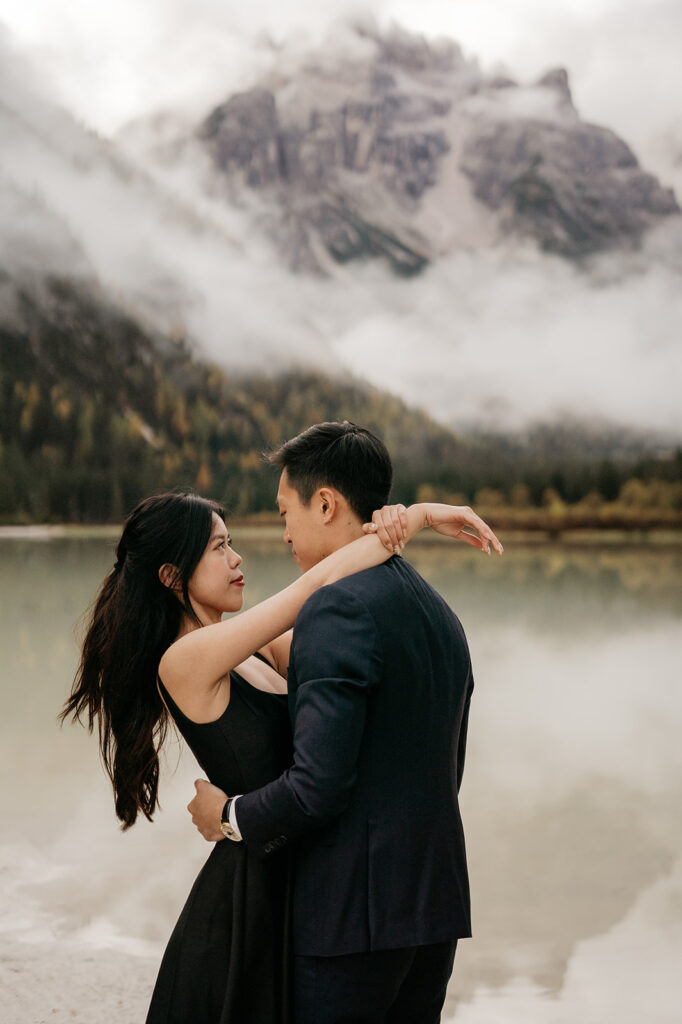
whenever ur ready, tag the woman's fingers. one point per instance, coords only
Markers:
(390, 525)
(385, 529)
(397, 525)
(486, 534)
(378, 526)
(470, 538)
(402, 515)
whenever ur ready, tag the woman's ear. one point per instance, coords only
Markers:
(170, 576)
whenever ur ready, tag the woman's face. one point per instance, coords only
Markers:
(217, 585)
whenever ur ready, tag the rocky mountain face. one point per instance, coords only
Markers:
(406, 150)
(577, 188)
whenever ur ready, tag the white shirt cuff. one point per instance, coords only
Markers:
(233, 819)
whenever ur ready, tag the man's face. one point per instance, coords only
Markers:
(303, 525)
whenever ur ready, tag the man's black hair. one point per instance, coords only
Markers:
(349, 458)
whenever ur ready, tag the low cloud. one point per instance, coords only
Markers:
(507, 336)
(502, 336)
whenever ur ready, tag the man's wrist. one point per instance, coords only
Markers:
(233, 818)
(228, 821)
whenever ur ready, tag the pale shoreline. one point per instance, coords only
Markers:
(61, 981)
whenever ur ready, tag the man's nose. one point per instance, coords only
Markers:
(286, 538)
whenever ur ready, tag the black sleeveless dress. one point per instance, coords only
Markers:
(228, 958)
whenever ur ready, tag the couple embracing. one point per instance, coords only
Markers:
(337, 888)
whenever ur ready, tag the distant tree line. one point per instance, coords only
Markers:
(96, 411)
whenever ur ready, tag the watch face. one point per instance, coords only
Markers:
(226, 829)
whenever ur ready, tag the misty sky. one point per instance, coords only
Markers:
(111, 63)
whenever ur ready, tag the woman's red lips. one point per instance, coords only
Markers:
(239, 582)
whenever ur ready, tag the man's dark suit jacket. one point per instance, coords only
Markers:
(379, 688)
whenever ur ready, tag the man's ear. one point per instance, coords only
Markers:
(327, 503)
(170, 576)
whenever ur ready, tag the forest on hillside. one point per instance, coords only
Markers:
(96, 411)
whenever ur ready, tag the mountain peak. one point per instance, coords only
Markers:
(406, 150)
(557, 79)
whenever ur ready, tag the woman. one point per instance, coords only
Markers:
(145, 656)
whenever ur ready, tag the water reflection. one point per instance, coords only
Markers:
(574, 778)
(571, 791)
(629, 973)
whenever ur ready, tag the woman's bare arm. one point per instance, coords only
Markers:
(200, 660)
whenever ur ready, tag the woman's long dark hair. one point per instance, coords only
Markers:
(134, 620)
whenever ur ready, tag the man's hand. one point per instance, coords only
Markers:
(206, 809)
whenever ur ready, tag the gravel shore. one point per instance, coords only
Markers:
(59, 983)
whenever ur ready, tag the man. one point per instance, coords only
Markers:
(379, 687)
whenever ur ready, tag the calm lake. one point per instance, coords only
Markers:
(571, 796)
